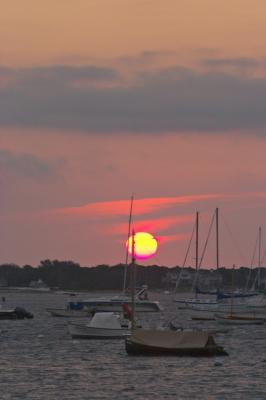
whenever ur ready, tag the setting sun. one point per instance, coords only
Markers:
(145, 245)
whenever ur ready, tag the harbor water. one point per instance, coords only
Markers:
(40, 361)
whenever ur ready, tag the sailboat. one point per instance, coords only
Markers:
(235, 318)
(84, 307)
(115, 303)
(197, 303)
(258, 300)
(167, 342)
(249, 300)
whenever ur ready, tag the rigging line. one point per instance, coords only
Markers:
(203, 253)
(233, 239)
(207, 240)
(252, 261)
(128, 236)
(263, 257)
(185, 259)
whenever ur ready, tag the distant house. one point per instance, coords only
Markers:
(170, 277)
(185, 277)
(39, 284)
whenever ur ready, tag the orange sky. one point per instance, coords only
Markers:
(37, 32)
(103, 98)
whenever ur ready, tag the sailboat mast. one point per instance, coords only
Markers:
(217, 238)
(128, 235)
(232, 292)
(197, 241)
(133, 281)
(259, 260)
(197, 249)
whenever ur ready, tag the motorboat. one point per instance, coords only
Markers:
(15, 313)
(103, 325)
(154, 342)
(115, 304)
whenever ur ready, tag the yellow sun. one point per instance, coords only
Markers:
(145, 245)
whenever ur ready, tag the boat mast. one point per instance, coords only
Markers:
(232, 292)
(133, 281)
(259, 260)
(217, 238)
(128, 235)
(197, 241)
(197, 248)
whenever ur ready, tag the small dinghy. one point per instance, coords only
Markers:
(15, 313)
(104, 325)
(176, 343)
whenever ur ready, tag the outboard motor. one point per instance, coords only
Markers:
(21, 313)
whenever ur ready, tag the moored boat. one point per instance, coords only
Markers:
(115, 304)
(175, 343)
(15, 313)
(101, 326)
(238, 319)
(154, 342)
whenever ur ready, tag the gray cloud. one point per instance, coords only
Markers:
(25, 165)
(173, 99)
(237, 62)
(57, 75)
(146, 57)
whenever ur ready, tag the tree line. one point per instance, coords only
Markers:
(68, 275)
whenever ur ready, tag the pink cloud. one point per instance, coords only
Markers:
(172, 238)
(140, 206)
(153, 226)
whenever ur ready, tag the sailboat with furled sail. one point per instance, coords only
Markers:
(84, 307)
(115, 303)
(233, 318)
(196, 302)
(167, 342)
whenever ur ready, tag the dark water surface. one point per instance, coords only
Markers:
(40, 361)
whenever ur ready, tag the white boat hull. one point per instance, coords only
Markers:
(197, 304)
(88, 332)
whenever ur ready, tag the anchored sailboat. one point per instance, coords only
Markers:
(115, 303)
(167, 342)
(196, 302)
(235, 318)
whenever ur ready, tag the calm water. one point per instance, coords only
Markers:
(40, 361)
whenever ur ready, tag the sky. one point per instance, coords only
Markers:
(103, 99)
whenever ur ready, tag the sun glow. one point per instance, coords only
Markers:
(145, 245)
